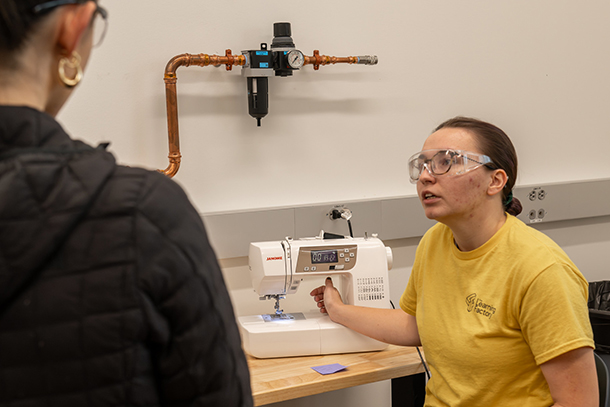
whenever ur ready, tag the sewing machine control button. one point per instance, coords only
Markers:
(314, 268)
(347, 259)
(341, 254)
(339, 267)
(346, 250)
(306, 269)
(352, 255)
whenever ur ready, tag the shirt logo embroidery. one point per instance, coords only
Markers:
(479, 307)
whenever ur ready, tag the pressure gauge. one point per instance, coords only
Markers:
(296, 59)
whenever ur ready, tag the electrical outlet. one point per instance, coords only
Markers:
(537, 193)
(532, 195)
(534, 212)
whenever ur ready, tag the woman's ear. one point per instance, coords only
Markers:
(497, 182)
(74, 21)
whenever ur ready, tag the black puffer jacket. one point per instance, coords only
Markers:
(110, 294)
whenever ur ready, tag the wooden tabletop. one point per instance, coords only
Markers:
(281, 379)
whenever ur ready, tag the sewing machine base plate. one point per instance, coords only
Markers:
(314, 334)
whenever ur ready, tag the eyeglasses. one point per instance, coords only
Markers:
(99, 27)
(444, 161)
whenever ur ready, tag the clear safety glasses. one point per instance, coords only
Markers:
(444, 161)
(99, 27)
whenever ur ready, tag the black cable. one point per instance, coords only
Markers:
(422, 360)
(351, 232)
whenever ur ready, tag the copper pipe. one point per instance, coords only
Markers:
(171, 96)
(217, 60)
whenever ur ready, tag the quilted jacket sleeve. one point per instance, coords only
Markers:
(194, 339)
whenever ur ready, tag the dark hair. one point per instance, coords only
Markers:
(17, 21)
(494, 143)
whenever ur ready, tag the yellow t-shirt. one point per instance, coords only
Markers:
(487, 318)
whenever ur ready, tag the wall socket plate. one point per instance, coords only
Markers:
(564, 201)
(536, 197)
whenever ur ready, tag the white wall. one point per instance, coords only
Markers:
(538, 69)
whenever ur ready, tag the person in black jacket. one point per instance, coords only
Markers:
(110, 294)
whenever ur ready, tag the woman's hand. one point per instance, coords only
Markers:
(327, 297)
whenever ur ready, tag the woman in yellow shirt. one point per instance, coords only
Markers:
(513, 328)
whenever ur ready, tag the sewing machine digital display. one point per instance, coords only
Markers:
(326, 258)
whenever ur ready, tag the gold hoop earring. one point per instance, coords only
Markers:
(73, 63)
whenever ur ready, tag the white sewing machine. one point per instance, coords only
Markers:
(277, 268)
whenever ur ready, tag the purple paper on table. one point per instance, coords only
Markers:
(329, 369)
